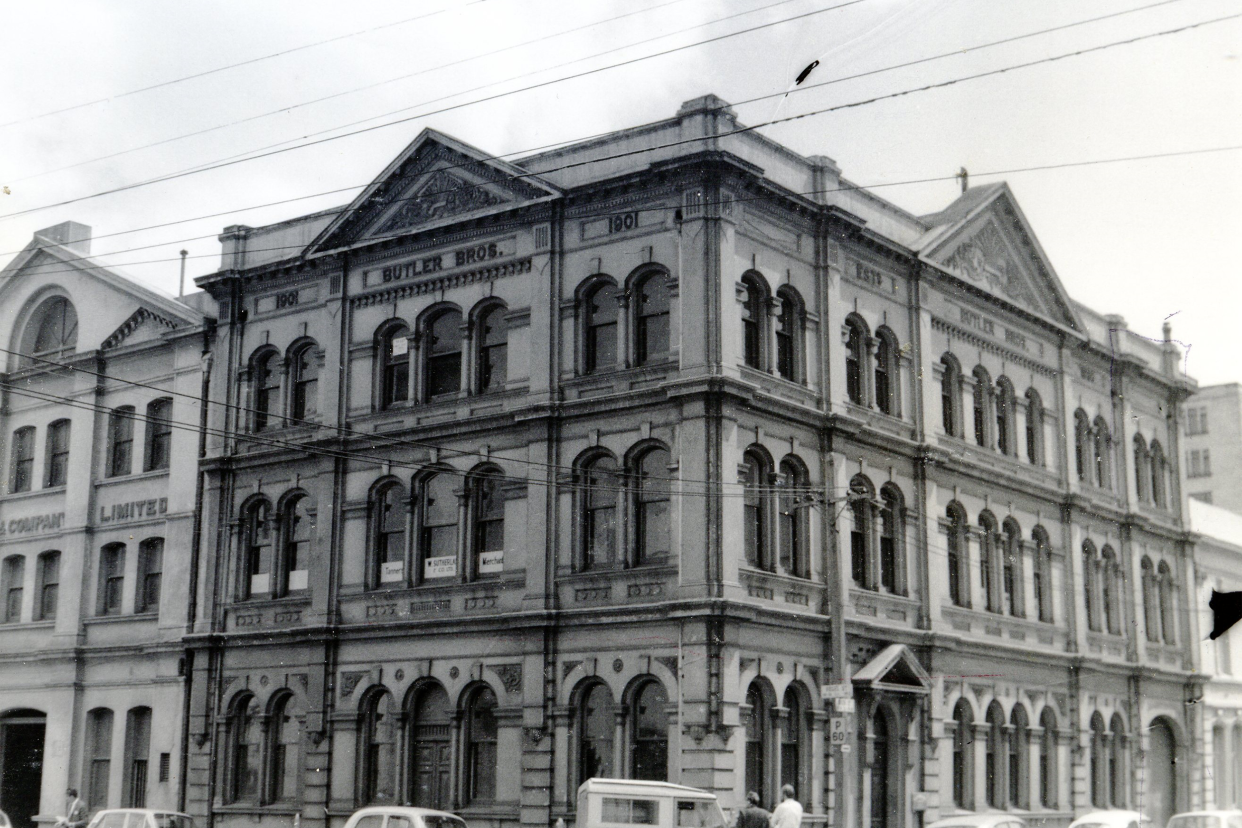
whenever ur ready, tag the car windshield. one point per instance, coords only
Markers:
(1194, 821)
(698, 813)
(173, 821)
(443, 821)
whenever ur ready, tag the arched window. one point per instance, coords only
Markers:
(754, 509)
(754, 319)
(1041, 575)
(951, 396)
(48, 586)
(652, 496)
(1099, 770)
(1006, 418)
(137, 754)
(602, 309)
(481, 739)
(794, 555)
(12, 577)
(892, 546)
(1110, 590)
(1012, 600)
(790, 337)
(649, 757)
(981, 394)
(1034, 427)
(51, 332)
(958, 556)
(487, 510)
(297, 529)
(997, 756)
(265, 384)
(1151, 600)
(861, 498)
(493, 339)
(98, 756)
(111, 578)
(595, 731)
(601, 488)
(1082, 451)
(793, 736)
(1117, 762)
(304, 376)
(437, 536)
(1048, 759)
(755, 721)
(57, 461)
(963, 755)
(1158, 491)
(1168, 626)
(244, 748)
(121, 441)
(22, 474)
(1102, 454)
(1142, 470)
(388, 516)
(1019, 755)
(377, 749)
(150, 573)
(651, 334)
(1091, 585)
(989, 567)
(393, 345)
(856, 360)
(887, 372)
(256, 576)
(159, 434)
(430, 739)
(442, 347)
(1220, 768)
(284, 755)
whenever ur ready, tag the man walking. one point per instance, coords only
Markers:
(789, 813)
(752, 816)
(75, 811)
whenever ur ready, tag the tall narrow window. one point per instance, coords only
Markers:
(111, 578)
(438, 529)
(51, 331)
(296, 532)
(855, 361)
(1168, 626)
(1090, 585)
(650, 717)
(137, 749)
(1011, 571)
(377, 738)
(754, 314)
(1034, 428)
(1109, 590)
(57, 468)
(1102, 454)
(793, 519)
(493, 338)
(1157, 475)
(601, 328)
(600, 491)
(48, 586)
(1142, 475)
(860, 532)
(283, 750)
(1098, 770)
(23, 460)
(1082, 451)
(652, 333)
(13, 577)
(963, 750)
(98, 757)
(481, 740)
(886, 371)
(304, 370)
(159, 434)
(394, 373)
(1151, 600)
(1117, 762)
(754, 511)
(1041, 575)
(443, 348)
(256, 576)
(389, 515)
(1019, 752)
(950, 396)
(265, 379)
(150, 570)
(653, 497)
(788, 339)
(244, 748)
(428, 723)
(957, 556)
(1048, 759)
(997, 756)
(988, 569)
(792, 739)
(120, 441)
(489, 522)
(595, 728)
(891, 556)
(1006, 416)
(755, 723)
(982, 388)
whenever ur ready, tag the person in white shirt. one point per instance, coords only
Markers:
(789, 813)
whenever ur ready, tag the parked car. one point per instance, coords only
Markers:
(4, 820)
(1206, 819)
(403, 816)
(629, 802)
(1112, 819)
(140, 818)
(997, 820)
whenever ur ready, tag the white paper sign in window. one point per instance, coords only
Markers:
(260, 583)
(391, 571)
(297, 579)
(445, 567)
(490, 562)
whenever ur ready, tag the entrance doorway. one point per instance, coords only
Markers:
(21, 765)
(1160, 796)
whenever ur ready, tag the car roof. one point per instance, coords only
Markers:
(977, 819)
(633, 786)
(402, 809)
(142, 811)
(1224, 812)
(1111, 814)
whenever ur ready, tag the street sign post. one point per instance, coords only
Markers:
(844, 690)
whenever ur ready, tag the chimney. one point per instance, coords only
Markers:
(70, 234)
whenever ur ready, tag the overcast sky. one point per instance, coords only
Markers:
(1146, 239)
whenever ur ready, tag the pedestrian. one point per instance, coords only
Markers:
(75, 811)
(789, 813)
(752, 816)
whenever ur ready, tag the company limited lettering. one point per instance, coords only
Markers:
(462, 257)
(32, 525)
(133, 510)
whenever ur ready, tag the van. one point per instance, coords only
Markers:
(625, 803)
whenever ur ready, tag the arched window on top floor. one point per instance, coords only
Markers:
(393, 363)
(951, 395)
(492, 335)
(1142, 470)
(981, 395)
(51, 332)
(1006, 418)
(1102, 454)
(601, 310)
(441, 348)
(791, 336)
(856, 359)
(958, 557)
(1082, 445)
(651, 318)
(1034, 428)
(754, 321)
(887, 372)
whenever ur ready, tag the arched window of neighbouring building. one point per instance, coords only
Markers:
(649, 756)
(1006, 418)
(989, 561)
(1151, 599)
(1102, 454)
(856, 359)
(1098, 767)
(1117, 762)
(1082, 446)
(1041, 576)
(1111, 590)
(1034, 427)
(1091, 585)
(51, 332)
(265, 390)
(755, 721)
(1012, 599)
(981, 396)
(887, 372)
(244, 748)
(1159, 472)
(1168, 625)
(595, 731)
(1142, 471)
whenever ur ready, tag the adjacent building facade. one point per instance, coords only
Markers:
(99, 415)
(1213, 446)
(672, 455)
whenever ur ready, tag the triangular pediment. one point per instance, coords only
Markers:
(435, 181)
(894, 668)
(984, 239)
(143, 325)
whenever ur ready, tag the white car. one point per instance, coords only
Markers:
(140, 818)
(996, 820)
(4, 820)
(1112, 819)
(401, 816)
(1206, 819)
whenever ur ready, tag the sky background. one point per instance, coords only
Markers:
(1149, 240)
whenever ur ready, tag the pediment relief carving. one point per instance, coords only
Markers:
(439, 196)
(984, 258)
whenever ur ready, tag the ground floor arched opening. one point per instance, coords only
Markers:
(21, 764)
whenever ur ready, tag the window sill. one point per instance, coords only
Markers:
(302, 598)
(245, 808)
(28, 625)
(120, 618)
(129, 478)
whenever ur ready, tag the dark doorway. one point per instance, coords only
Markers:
(430, 749)
(21, 765)
(879, 772)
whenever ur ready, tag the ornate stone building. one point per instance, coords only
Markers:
(620, 459)
(99, 428)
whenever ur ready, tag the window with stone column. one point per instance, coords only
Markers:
(441, 346)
